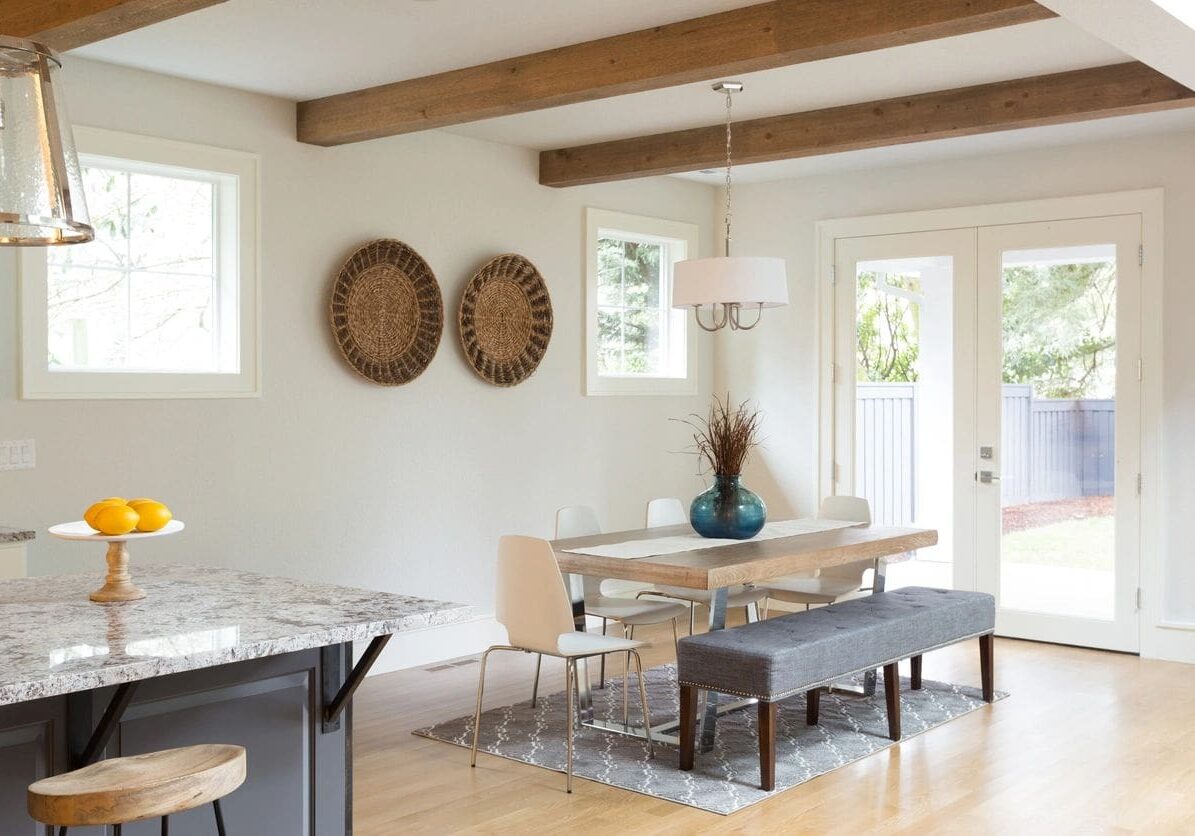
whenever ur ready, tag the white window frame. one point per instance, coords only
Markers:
(681, 239)
(236, 251)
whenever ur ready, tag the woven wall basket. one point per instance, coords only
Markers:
(387, 313)
(506, 320)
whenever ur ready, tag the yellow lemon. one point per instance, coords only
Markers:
(89, 514)
(116, 519)
(133, 503)
(153, 515)
(120, 500)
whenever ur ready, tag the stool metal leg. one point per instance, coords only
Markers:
(219, 817)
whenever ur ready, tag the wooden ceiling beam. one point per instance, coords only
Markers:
(1115, 90)
(66, 24)
(759, 37)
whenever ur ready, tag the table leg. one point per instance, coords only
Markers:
(576, 592)
(869, 678)
(710, 720)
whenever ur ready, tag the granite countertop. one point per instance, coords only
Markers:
(53, 640)
(15, 535)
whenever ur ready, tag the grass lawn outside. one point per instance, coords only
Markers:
(1086, 543)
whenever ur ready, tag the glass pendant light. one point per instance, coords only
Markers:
(41, 185)
(729, 283)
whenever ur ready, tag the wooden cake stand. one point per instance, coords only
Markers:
(118, 586)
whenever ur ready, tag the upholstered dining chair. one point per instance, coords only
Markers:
(582, 521)
(534, 607)
(669, 510)
(833, 583)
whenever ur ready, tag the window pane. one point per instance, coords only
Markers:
(141, 296)
(633, 318)
(170, 323)
(88, 317)
(610, 262)
(170, 224)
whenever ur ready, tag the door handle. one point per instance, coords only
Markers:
(986, 477)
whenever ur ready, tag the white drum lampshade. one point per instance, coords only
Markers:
(41, 184)
(746, 281)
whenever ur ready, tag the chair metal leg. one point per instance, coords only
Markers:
(477, 710)
(570, 674)
(651, 749)
(539, 661)
(165, 825)
(219, 818)
(602, 672)
(626, 674)
(116, 829)
(675, 637)
(692, 617)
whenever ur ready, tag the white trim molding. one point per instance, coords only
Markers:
(681, 241)
(235, 177)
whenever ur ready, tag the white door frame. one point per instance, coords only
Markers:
(1157, 637)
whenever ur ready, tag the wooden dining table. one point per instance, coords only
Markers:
(717, 569)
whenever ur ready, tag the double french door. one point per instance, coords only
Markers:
(987, 384)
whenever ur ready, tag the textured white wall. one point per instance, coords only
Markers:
(328, 476)
(777, 362)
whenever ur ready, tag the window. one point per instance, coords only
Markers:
(163, 302)
(637, 344)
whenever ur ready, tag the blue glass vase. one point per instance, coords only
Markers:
(728, 510)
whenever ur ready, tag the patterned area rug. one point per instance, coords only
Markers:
(726, 779)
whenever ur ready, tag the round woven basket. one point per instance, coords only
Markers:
(387, 313)
(506, 320)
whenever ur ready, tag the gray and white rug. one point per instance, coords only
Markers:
(727, 779)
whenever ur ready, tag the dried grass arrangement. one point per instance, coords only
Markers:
(725, 438)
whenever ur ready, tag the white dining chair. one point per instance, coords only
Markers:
(832, 583)
(582, 521)
(534, 607)
(669, 510)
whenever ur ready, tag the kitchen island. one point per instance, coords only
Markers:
(209, 656)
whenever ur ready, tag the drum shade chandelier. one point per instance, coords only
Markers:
(41, 185)
(729, 283)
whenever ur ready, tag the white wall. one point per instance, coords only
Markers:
(777, 362)
(327, 476)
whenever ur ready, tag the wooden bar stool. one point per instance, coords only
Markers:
(124, 790)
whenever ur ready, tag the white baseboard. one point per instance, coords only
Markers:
(435, 644)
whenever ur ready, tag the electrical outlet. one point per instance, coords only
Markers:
(17, 455)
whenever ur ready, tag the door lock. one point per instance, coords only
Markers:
(986, 477)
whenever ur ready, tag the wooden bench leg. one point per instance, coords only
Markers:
(767, 745)
(987, 672)
(688, 726)
(892, 696)
(915, 677)
(813, 700)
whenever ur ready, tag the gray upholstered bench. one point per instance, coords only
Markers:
(806, 651)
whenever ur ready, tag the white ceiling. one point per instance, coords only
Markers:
(300, 49)
(303, 49)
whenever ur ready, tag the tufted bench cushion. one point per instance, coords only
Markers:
(773, 659)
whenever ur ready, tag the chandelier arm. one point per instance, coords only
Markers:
(715, 325)
(734, 319)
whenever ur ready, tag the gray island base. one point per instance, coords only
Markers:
(209, 656)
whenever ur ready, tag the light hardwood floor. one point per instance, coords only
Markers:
(1089, 742)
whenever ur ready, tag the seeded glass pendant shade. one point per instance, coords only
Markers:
(41, 185)
(728, 284)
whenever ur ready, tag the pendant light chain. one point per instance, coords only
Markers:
(729, 183)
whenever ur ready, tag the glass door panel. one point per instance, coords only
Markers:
(1057, 463)
(904, 379)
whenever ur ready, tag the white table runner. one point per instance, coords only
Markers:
(635, 549)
